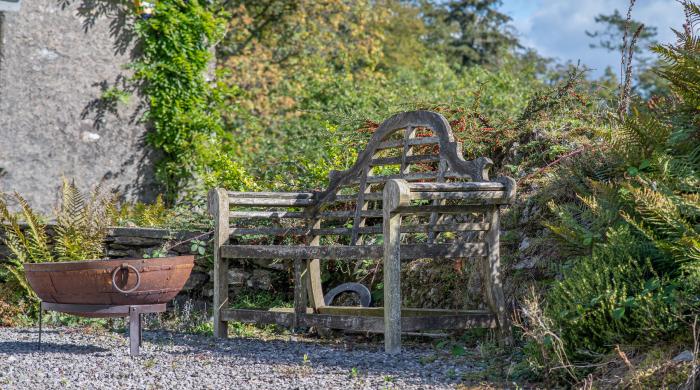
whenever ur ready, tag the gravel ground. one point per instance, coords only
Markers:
(77, 358)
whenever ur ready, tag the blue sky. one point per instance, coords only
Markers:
(557, 28)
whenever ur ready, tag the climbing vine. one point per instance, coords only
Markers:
(170, 70)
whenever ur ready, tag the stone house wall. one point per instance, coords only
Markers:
(55, 63)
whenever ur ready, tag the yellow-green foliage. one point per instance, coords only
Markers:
(28, 245)
(154, 214)
(81, 223)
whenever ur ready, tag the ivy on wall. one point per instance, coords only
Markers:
(170, 72)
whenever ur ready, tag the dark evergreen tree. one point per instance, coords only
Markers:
(480, 32)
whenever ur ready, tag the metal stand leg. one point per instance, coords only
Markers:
(134, 331)
(140, 329)
(41, 309)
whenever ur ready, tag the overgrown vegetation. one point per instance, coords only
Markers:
(633, 226)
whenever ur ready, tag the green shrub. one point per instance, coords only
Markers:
(614, 296)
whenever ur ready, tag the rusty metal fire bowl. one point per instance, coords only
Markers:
(110, 282)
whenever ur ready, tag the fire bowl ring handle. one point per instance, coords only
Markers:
(121, 267)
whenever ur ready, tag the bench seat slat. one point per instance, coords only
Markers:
(408, 251)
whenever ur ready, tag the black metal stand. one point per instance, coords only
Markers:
(134, 313)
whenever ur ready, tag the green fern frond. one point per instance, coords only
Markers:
(37, 243)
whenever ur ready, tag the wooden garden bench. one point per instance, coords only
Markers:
(410, 195)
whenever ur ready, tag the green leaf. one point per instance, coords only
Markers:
(458, 350)
(618, 313)
(547, 341)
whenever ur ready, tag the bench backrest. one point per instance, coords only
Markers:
(416, 146)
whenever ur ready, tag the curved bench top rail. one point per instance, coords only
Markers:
(449, 150)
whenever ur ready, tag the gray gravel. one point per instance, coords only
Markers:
(82, 359)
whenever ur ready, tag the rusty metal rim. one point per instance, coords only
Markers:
(107, 264)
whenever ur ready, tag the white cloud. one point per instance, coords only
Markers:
(557, 28)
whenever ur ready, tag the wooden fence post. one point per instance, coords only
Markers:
(396, 193)
(219, 209)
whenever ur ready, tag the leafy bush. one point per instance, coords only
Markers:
(614, 296)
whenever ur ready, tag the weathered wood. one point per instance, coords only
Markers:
(373, 324)
(351, 252)
(271, 195)
(291, 214)
(476, 197)
(378, 311)
(442, 169)
(396, 193)
(460, 186)
(407, 154)
(313, 268)
(414, 141)
(279, 202)
(492, 277)
(446, 209)
(414, 176)
(407, 160)
(265, 214)
(218, 208)
(369, 196)
(303, 231)
(299, 290)
(358, 220)
(476, 170)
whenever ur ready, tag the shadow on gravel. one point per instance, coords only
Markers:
(24, 347)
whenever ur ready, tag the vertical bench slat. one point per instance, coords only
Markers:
(313, 268)
(361, 206)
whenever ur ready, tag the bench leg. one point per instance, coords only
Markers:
(218, 208)
(493, 285)
(392, 285)
(299, 293)
(396, 193)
